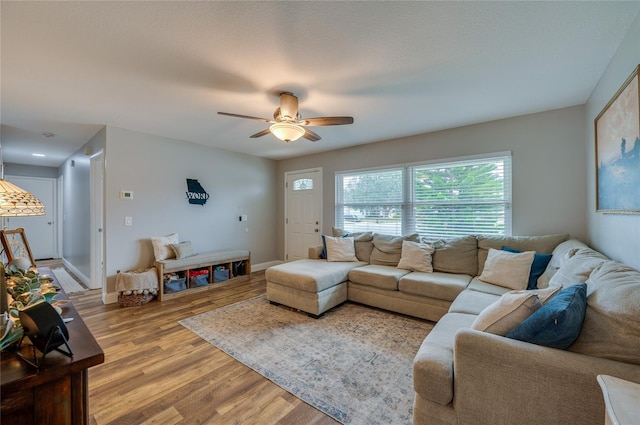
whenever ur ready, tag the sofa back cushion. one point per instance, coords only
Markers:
(560, 255)
(458, 255)
(363, 242)
(540, 244)
(577, 268)
(387, 249)
(611, 327)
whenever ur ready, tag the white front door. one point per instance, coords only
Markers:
(40, 229)
(303, 212)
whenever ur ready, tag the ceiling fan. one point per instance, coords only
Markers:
(287, 124)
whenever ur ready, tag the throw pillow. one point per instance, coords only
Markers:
(507, 312)
(507, 269)
(161, 246)
(183, 249)
(340, 249)
(416, 256)
(540, 262)
(557, 324)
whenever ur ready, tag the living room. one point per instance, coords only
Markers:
(553, 151)
(547, 147)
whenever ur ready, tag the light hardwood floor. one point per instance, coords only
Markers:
(156, 371)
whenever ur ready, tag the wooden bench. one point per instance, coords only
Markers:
(210, 261)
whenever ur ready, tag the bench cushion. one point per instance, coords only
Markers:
(442, 286)
(311, 275)
(205, 258)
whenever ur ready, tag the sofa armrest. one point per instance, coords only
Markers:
(314, 252)
(504, 381)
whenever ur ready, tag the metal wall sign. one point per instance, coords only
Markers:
(196, 193)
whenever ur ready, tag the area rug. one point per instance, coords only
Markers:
(68, 283)
(354, 363)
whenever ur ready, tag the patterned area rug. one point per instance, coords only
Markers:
(354, 364)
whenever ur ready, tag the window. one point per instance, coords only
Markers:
(436, 200)
(303, 184)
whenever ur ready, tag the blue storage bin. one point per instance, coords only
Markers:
(175, 285)
(220, 275)
(200, 280)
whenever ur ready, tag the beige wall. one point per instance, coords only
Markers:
(549, 170)
(618, 236)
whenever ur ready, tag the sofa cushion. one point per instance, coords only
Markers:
(560, 254)
(458, 255)
(577, 268)
(442, 286)
(611, 327)
(340, 249)
(433, 364)
(363, 242)
(507, 312)
(556, 324)
(416, 257)
(541, 244)
(383, 277)
(387, 249)
(540, 263)
(507, 269)
(480, 286)
(472, 302)
(311, 275)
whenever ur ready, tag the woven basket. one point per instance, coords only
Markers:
(134, 300)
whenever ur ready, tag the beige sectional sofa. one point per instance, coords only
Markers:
(465, 376)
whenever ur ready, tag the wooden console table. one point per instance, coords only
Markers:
(58, 393)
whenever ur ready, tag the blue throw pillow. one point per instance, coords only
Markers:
(558, 323)
(540, 262)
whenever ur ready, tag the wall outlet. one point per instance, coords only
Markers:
(128, 221)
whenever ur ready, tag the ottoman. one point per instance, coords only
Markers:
(313, 286)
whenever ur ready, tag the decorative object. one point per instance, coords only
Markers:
(15, 245)
(14, 201)
(46, 330)
(617, 131)
(196, 193)
(354, 364)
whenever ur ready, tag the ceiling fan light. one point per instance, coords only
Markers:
(287, 132)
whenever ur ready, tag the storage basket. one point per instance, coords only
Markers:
(133, 300)
(175, 285)
(221, 275)
(199, 280)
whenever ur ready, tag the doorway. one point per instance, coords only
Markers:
(41, 230)
(303, 212)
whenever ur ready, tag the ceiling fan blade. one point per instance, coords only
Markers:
(288, 106)
(261, 133)
(246, 116)
(310, 135)
(322, 121)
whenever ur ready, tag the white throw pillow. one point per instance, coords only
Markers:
(340, 249)
(416, 256)
(162, 246)
(507, 312)
(508, 269)
(183, 250)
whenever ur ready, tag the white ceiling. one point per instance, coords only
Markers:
(399, 68)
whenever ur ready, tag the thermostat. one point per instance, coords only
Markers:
(126, 194)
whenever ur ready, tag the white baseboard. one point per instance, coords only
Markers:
(264, 266)
(109, 298)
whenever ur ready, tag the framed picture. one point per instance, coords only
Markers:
(617, 131)
(15, 245)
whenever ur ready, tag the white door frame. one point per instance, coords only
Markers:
(97, 251)
(287, 174)
(60, 209)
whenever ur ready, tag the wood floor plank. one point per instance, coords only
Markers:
(158, 372)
